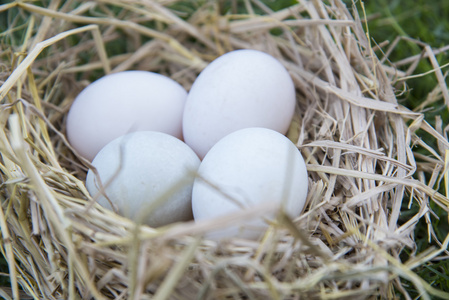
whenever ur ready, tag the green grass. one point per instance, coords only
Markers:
(424, 20)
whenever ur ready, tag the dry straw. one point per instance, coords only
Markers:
(356, 138)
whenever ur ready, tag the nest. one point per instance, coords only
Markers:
(356, 138)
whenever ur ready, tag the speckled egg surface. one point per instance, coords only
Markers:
(147, 176)
(245, 169)
(241, 89)
(121, 103)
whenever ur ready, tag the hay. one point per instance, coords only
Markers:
(356, 138)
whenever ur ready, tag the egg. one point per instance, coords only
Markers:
(147, 176)
(124, 102)
(240, 89)
(248, 168)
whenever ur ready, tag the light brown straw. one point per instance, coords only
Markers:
(357, 139)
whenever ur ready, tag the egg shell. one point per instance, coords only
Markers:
(124, 102)
(250, 167)
(240, 89)
(142, 168)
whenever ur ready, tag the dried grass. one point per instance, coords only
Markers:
(356, 138)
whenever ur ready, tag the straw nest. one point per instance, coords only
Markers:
(355, 137)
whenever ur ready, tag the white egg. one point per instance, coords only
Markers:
(241, 89)
(247, 168)
(124, 102)
(147, 176)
